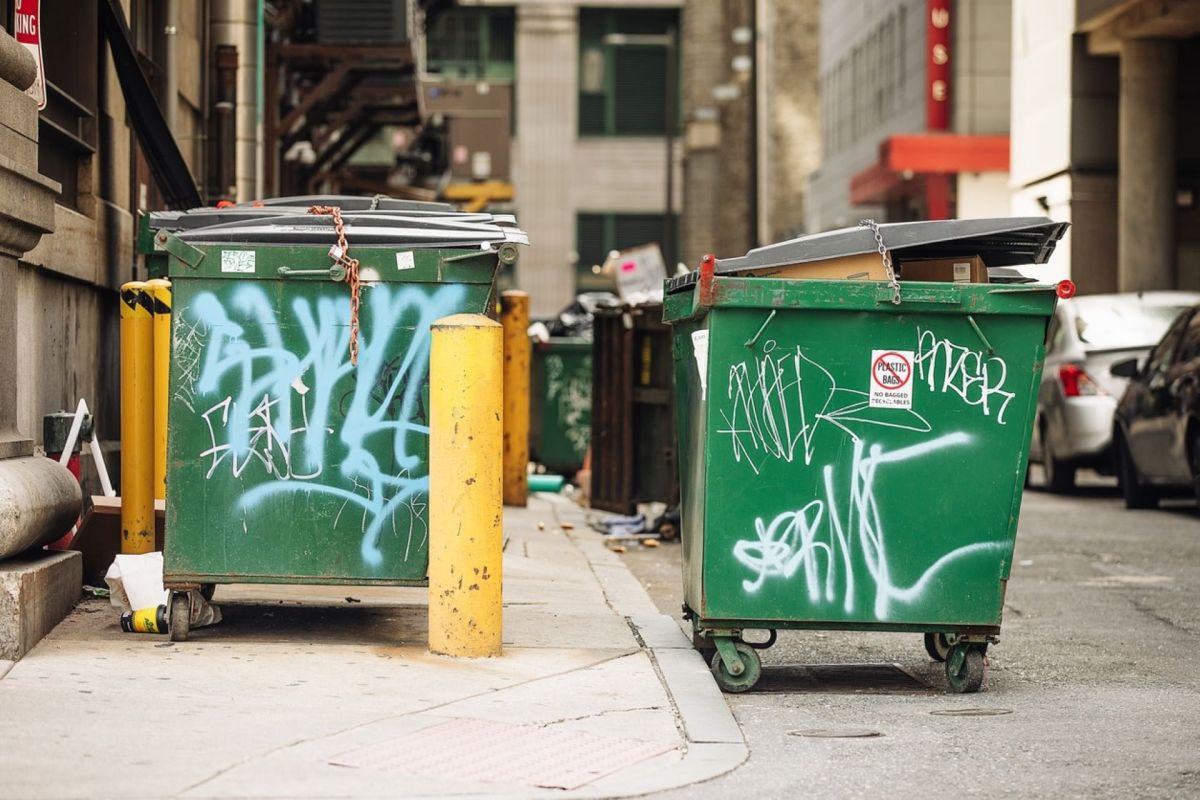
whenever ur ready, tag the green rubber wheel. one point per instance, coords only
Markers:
(736, 684)
(966, 668)
(937, 646)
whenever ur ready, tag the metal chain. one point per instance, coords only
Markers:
(340, 253)
(886, 256)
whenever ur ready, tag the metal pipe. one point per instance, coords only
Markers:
(669, 251)
(171, 67)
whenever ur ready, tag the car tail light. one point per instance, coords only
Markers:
(1076, 382)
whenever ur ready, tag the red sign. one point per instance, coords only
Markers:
(937, 65)
(27, 28)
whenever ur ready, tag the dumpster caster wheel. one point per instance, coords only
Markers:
(966, 667)
(181, 616)
(751, 672)
(207, 590)
(937, 646)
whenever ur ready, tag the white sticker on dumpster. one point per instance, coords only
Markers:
(405, 260)
(891, 378)
(700, 351)
(237, 261)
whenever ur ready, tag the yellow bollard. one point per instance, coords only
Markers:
(465, 510)
(514, 316)
(160, 294)
(137, 420)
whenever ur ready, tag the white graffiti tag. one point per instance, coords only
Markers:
(976, 378)
(833, 541)
(572, 393)
(781, 401)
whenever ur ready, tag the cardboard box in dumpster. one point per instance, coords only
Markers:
(963, 269)
(862, 267)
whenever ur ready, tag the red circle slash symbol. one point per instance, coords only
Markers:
(882, 367)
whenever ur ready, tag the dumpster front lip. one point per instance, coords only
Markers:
(853, 296)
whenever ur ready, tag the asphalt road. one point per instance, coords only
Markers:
(1093, 691)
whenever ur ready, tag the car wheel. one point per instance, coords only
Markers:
(1136, 493)
(1059, 476)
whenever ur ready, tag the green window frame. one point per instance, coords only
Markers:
(597, 233)
(622, 85)
(472, 43)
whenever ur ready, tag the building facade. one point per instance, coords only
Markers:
(914, 111)
(751, 105)
(80, 155)
(586, 135)
(1106, 135)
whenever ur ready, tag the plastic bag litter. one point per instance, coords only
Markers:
(135, 582)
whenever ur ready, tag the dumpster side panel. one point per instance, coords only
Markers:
(824, 508)
(561, 404)
(287, 463)
(691, 373)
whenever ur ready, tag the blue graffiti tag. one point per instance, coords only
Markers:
(257, 424)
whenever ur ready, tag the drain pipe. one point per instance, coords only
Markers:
(171, 57)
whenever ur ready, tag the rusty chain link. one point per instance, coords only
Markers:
(340, 253)
(886, 256)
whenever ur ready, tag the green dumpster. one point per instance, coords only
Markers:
(288, 463)
(560, 425)
(850, 462)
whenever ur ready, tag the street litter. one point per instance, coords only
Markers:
(135, 586)
(625, 526)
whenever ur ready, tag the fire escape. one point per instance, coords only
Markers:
(337, 74)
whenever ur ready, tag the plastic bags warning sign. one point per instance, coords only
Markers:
(891, 379)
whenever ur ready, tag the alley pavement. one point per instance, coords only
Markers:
(331, 692)
(1092, 692)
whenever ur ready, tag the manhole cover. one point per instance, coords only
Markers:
(836, 733)
(971, 712)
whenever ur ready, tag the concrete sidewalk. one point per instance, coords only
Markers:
(330, 692)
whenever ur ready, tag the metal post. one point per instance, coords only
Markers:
(669, 110)
(514, 316)
(465, 512)
(137, 415)
(159, 291)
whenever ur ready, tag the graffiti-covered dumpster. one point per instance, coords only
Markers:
(560, 424)
(852, 452)
(299, 392)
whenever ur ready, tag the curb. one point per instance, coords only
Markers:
(714, 744)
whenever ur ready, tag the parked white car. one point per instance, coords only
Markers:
(1078, 394)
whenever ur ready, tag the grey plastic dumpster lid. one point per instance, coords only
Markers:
(175, 221)
(362, 230)
(348, 202)
(1002, 241)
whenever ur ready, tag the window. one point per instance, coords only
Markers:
(67, 129)
(1160, 357)
(472, 43)
(623, 82)
(1189, 349)
(597, 234)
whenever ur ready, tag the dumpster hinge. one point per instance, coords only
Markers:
(192, 256)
